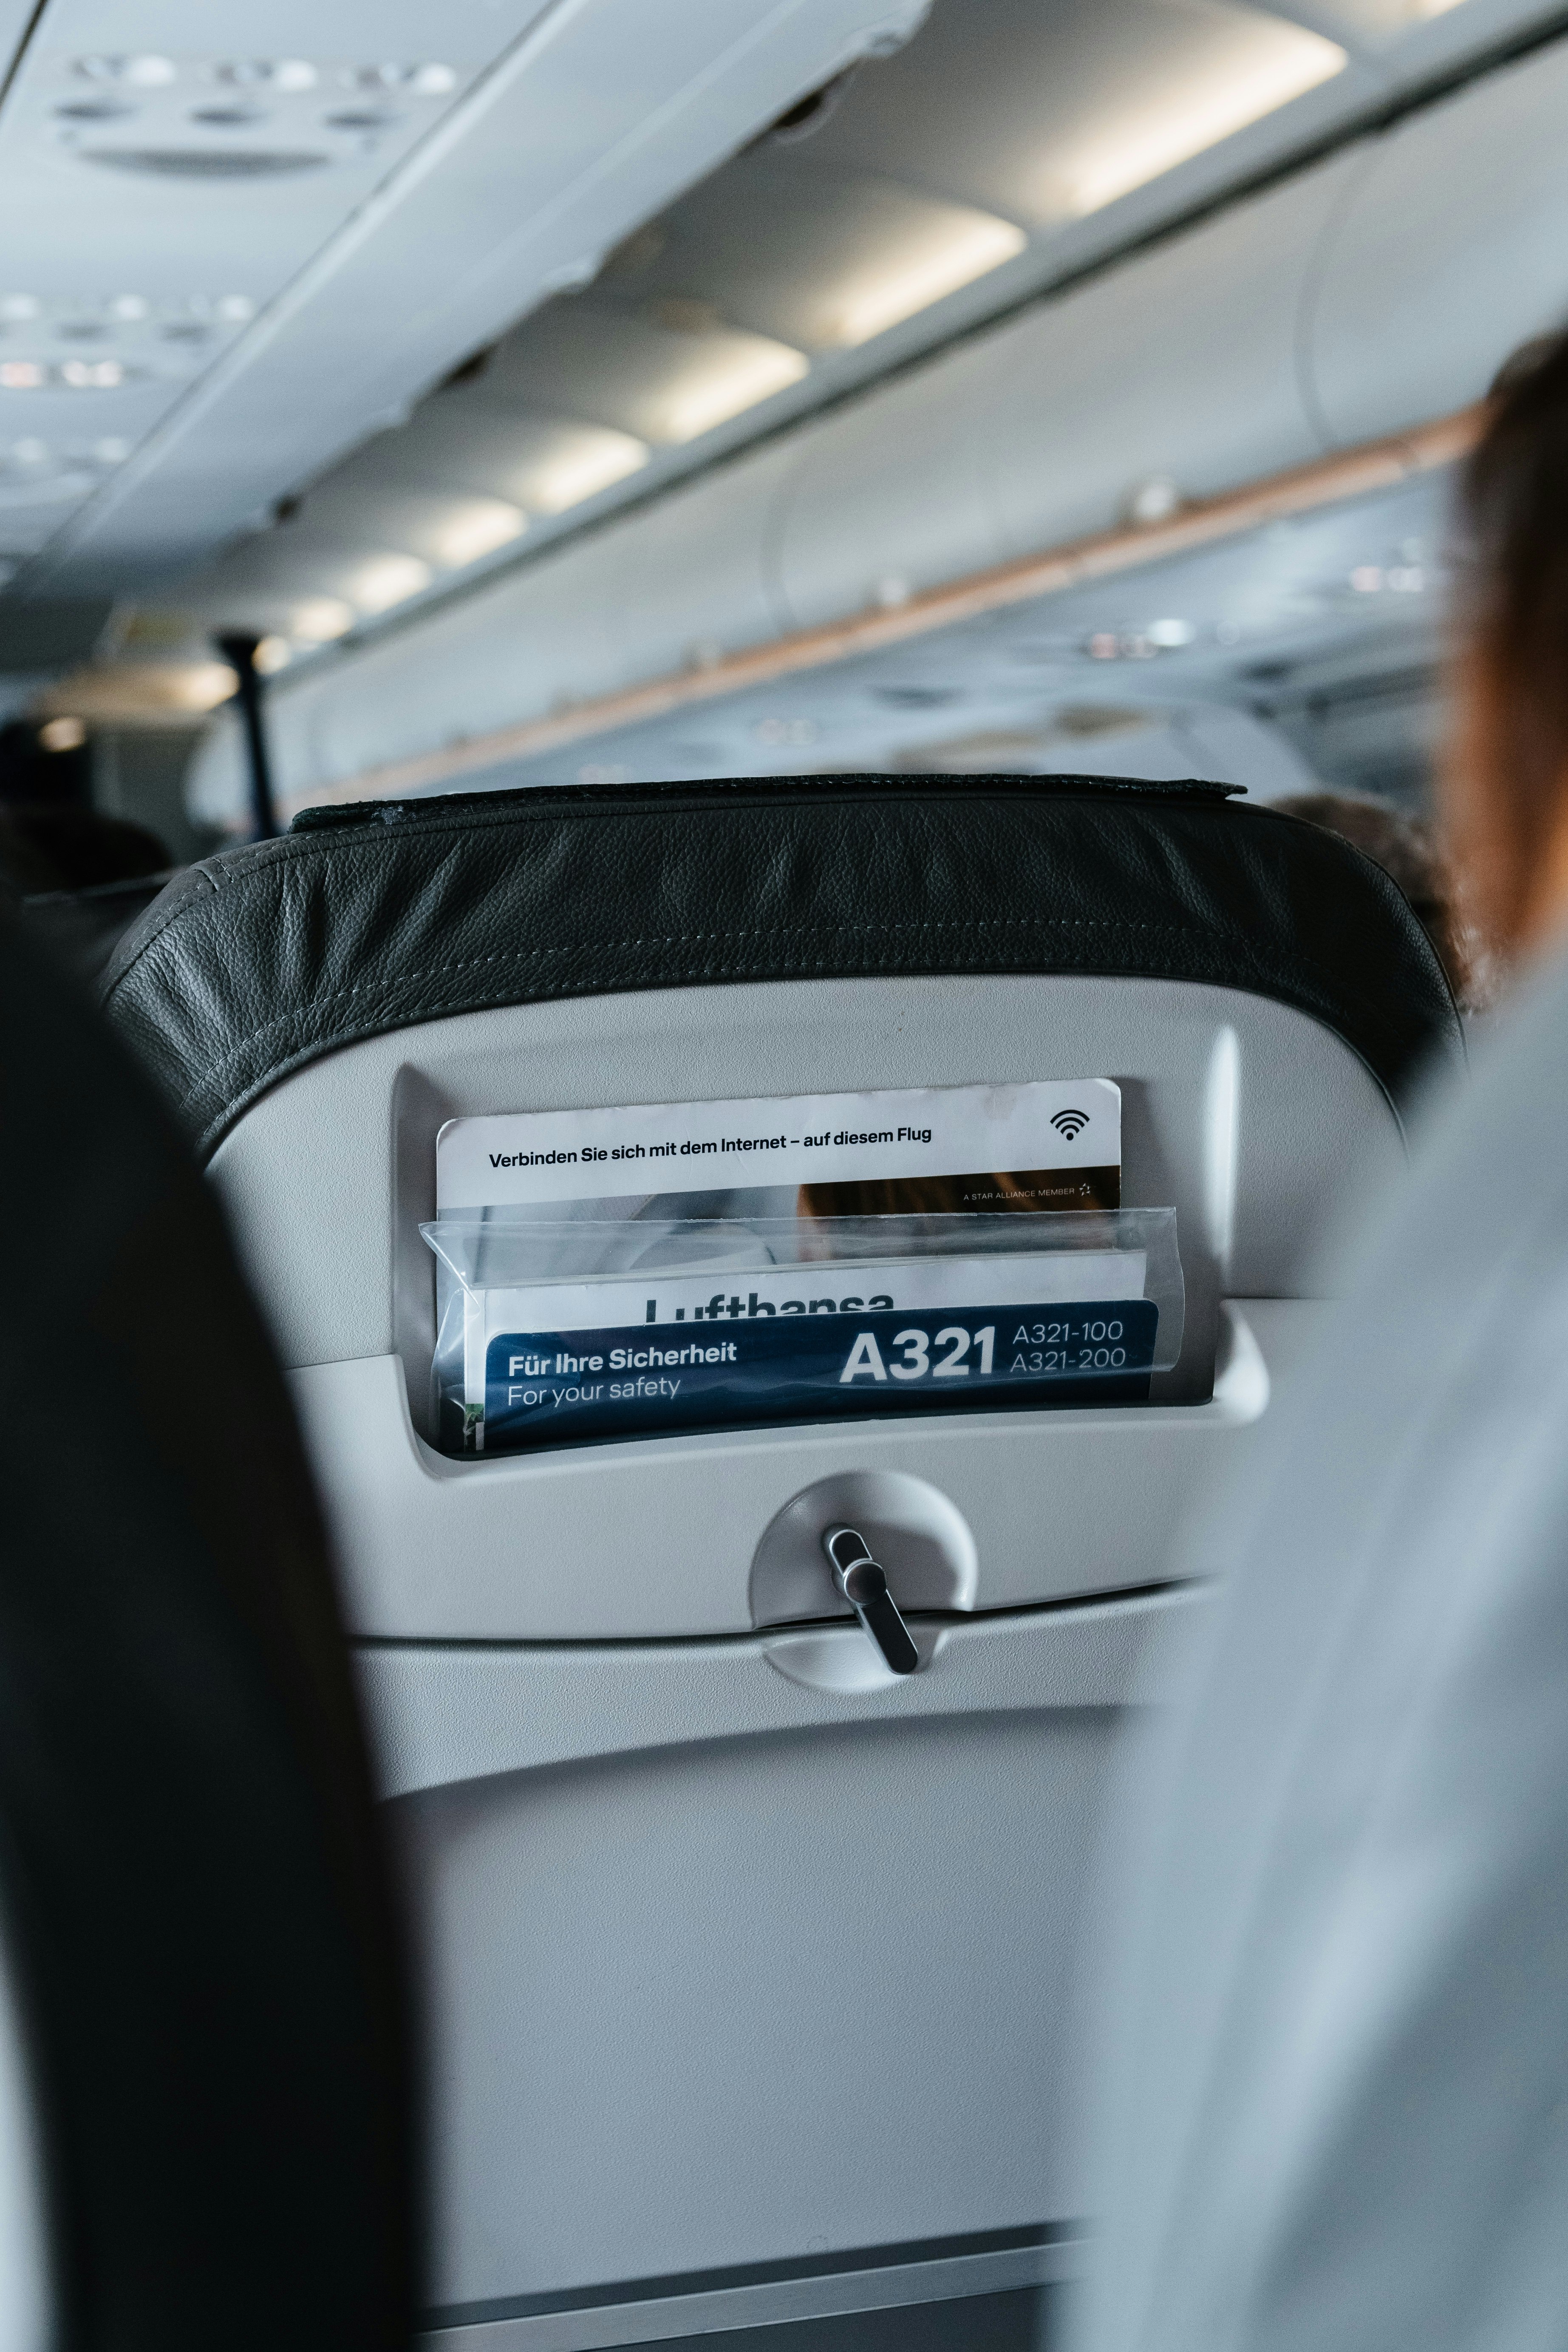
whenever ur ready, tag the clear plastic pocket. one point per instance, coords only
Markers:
(555, 1331)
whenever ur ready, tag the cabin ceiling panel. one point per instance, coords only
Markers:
(386, 208)
(377, 261)
(1004, 138)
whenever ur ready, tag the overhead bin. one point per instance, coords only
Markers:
(545, 636)
(1038, 431)
(889, 494)
(1377, 288)
(588, 121)
(1449, 250)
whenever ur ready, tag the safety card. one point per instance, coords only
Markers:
(675, 1266)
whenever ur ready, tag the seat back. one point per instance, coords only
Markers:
(205, 1984)
(747, 1970)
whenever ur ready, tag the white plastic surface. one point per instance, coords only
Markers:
(721, 1968)
(736, 1950)
(1253, 1121)
(656, 1539)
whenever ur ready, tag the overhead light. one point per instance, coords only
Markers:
(786, 730)
(321, 619)
(113, 451)
(93, 375)
(388, 580)
(1169, 635)
(265, 73)
(129, 306)
(62, 734)
(139, 72)
(235, 306)
(19, 306)
(272, 654)
(589, 459)
(1155, 501)
(968, 244)
(1268, 64)
(201, 685)
(478, 527)
(424, 82)
(735, 373)
(21, 375)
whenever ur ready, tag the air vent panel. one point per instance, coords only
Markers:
(206, 162)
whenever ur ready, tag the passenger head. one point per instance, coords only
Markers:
(1505, 783)
(1405, 849)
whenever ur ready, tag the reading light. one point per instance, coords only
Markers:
(321, 619)
(735, 373)
(1270, 63)
(269, 73)
(141, 73)
(1169, 635)
(113, 451)
(129, 306)
(424, 82)
(479, 529)
(786, 730)
(19, 306)
(20, 375)
(1155, 501)
(62, 734)
(388, 580)
(968, 245)
(93, 375)
(273, 653)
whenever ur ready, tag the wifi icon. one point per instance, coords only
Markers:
(1071, 1123)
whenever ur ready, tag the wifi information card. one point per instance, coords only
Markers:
(701, 1264)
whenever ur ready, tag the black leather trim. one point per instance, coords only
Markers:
(364, 919)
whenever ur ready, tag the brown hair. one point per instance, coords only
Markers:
(1506, 785)
(1404, 848)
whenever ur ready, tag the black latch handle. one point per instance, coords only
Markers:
(864, 1587)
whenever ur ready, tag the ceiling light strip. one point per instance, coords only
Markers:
(1301, 489)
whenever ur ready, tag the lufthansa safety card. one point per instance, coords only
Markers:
(622, 1334)
(811, 1340)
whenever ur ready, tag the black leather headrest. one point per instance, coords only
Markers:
(376, 916)
(198, 1921)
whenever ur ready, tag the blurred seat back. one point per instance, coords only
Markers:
(748, 1976)
(200, 1944)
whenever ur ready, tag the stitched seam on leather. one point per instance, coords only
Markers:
(393, 984)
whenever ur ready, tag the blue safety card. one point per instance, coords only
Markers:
(556, 1388)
